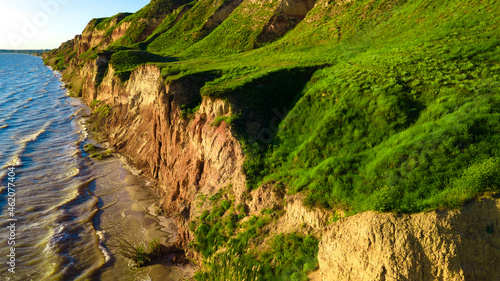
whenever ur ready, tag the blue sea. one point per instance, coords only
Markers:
(61, 213)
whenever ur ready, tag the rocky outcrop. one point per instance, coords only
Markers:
(437, 245)
(91, 37)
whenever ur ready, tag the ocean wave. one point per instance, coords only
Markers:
(33, 137)
(59, 244)
(60, 235)
(3, 173)
(10, 94)
(59, 177)
(82, 122)
(78, 196)
(15, 161)
(11, 113)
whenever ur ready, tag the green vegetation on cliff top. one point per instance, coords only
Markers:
(367, 105)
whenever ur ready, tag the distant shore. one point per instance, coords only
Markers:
(37, 53)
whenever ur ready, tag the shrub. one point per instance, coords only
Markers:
(141, 254)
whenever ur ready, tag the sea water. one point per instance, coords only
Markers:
(64, 216)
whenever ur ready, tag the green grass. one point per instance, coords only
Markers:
(226, 119)
(188, 30)
(97, 152)
(90, 148)
(102, 155)
(146, 17)
(227, 241)
(125, 61)
(382, 105)
(237, 33)
(141, 254)
(105, 23)
(290, 257)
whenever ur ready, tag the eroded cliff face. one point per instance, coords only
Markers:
(186, 156)
(437, 245)
(92, 37)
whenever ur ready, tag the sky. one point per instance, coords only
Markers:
(45, 24)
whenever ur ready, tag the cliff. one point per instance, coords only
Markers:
(438, 245)
(303, 138)
(187, 157)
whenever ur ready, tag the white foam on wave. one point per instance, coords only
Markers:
(14, 161)
(10, 94)
(34, 136)
(84, 131)
(57, 239)
(11, 113)
(59, 233)
(102, 238)
(3, 172)
(58, 236)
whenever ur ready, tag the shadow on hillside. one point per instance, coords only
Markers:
(263, 103)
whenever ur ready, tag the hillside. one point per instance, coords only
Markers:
(239, 109)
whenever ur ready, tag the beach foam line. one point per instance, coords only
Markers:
(102, 239)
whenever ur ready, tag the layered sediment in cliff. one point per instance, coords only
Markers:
(186, 156)
(437, 245)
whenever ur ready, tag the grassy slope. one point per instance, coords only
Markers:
(408, 123)
(369, 105)
(393, 121)
(157, 10)
(237, 33)
(403, 119)
(188, 30)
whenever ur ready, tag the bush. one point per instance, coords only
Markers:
(141, 254)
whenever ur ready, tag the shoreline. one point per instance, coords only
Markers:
(142, 198)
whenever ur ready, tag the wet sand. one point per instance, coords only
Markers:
(126, 207)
